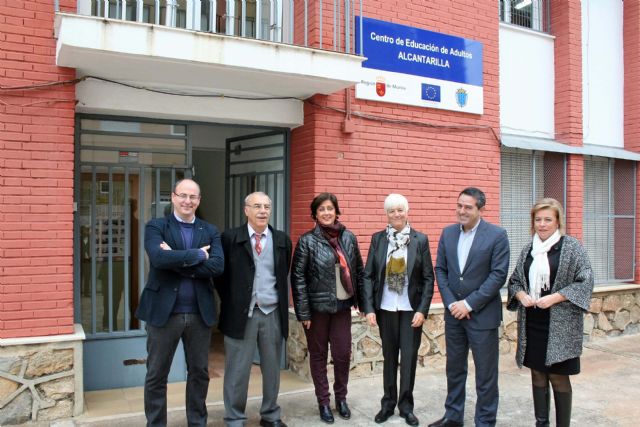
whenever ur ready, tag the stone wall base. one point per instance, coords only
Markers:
(41, 378)
(615, 310)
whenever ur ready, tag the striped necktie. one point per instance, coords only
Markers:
(258, 245)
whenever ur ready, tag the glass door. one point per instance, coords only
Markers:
(125, 178)
(113, 263)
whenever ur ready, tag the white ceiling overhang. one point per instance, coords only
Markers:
(198, 62)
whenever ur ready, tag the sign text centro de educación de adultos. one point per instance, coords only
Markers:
(412, 66)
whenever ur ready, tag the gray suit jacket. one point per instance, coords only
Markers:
(480, 280)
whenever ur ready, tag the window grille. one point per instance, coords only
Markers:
(609, 217)
(532, 14)
(273, 20)
(527, 176)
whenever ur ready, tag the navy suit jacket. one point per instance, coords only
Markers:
(168, 267)
(480, 280)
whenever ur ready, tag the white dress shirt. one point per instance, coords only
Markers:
(464, 246)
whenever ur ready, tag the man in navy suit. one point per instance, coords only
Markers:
(471, 267)
(185, 253)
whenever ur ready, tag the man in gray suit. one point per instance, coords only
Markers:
(471, 267)
(254, 296)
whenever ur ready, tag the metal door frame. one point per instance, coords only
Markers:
(285, 173)
(126, 166)
(238, 204)
(109, 350)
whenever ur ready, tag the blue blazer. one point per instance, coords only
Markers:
(480, 280)
(168, 267)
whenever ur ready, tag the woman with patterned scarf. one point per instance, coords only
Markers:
(551, 289)
(398, 286)
(326, 275)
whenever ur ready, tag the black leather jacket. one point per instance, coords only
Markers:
(313, 273)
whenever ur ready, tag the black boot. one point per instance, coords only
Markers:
(325, 414)
(541, 401)
(563, 408)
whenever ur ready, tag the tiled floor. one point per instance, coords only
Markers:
(130, 400)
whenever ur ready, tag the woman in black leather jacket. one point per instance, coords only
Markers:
(326, 274)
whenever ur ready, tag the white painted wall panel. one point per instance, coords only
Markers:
(603, 73)
(526, 82)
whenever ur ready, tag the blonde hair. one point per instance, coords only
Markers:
(554, 205)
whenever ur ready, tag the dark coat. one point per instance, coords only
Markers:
(168, 267)
(419, 270)
(480, 280)
(235, 285)
(313, 276)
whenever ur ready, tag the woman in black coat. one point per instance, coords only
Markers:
(326, 274)
(398, 286)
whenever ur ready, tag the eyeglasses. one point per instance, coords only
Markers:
(183, 197)
(258, 206)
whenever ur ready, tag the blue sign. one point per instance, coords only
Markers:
(408, 50)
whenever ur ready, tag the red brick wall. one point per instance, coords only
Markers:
(631, 35)
(566, 26)
(631, 44)
(429, 166)
(36, 177)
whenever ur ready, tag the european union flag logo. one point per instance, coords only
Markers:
(430, 92)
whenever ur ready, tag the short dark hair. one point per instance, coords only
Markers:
(477, 194)
(320, 199)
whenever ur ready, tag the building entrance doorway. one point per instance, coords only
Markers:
(125, 174)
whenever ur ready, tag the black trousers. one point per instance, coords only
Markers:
(161, 347)
(398, 339)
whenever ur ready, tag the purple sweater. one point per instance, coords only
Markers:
(186, 300)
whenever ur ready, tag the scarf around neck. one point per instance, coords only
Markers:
(396, 272)
(332, 233)
(539, 273)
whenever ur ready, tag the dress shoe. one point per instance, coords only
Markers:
(382, 416)
(276, 423)
(410, 418)
(325, 414)
(343, 409)
(445, 422)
